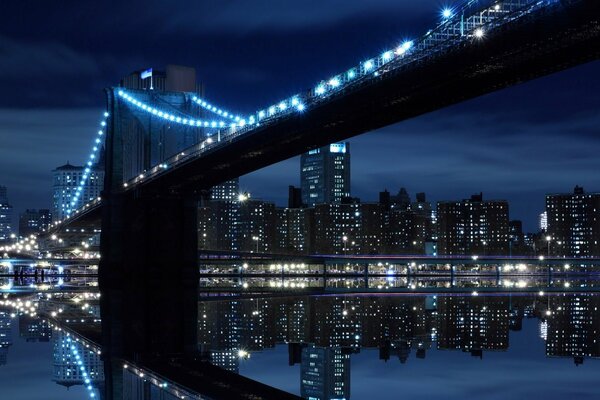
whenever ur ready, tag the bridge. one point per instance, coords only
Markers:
(148, 215)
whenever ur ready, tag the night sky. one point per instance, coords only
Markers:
(55, 59)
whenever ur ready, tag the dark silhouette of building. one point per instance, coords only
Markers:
(473, 226)
(325, 174)
(32, 221)
(574, 223)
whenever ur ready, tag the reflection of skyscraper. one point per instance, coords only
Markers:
(573, 328)
(325, 373)
(325, 174)
(67, 370)
(5, 336)
(34, 329)
(473, 324)
(219, 332)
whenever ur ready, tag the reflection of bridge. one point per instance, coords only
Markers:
(149, 214)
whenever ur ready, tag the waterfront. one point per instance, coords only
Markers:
(422, 337)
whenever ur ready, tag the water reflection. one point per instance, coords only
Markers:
(325, 342)
(323, 333)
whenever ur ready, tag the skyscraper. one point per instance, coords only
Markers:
(65, 181)
(325, 174)
(574, 223)
(226, 191)
(5, 215)
(325, 373)
(33, 221)
(473, 226)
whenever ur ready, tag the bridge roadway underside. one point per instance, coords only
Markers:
(148, 270)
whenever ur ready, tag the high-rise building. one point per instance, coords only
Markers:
(6, 211)
(295, 230)
(409, 225)
(544, 221)
(66, 179)
(473, 226)
(325, 174)
(257, 226)
(349, 227)
(226, 191)
(6, 339)
(473, 324)
(573, 327)
(574, 223)
(325, 373)
(33, 221)
(68, 371)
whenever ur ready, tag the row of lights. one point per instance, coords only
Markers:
(88, 167)
(189, 121)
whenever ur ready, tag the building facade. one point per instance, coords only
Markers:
(473, 227)
(65, 180)
(6, 212)
(33, 221)
(574, 223)
(325, 174)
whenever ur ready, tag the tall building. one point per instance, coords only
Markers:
(68, 371)
(6, 339)
(325, 373)
(325, 174)
(257, 230)
(409, 225)
(66, 178)
(295, 230)
(574, 223)
(33, 221)
(573, 327)
(473, 226)
(349, 227)
(5, 215)
(226, 191)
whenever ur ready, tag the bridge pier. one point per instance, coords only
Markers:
(149, 276)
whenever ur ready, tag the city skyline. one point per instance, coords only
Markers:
(464, 149)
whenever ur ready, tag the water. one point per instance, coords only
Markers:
(416, 338)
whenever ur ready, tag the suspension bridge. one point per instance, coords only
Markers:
(148, 210)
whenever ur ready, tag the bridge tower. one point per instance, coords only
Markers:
(148, 273)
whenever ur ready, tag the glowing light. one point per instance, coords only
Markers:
(368, 65)
(446, 13)
(334, 82)
(479, 33)
(320, 89)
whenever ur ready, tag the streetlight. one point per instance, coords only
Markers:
(548, 239)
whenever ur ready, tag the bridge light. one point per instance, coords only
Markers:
(368, 65)
(271, 110)
(320, 89)
(446, 13)
(106, 114)
(351, 74)
(261, 114)
(282, 106)
(387, 56)
(300, 107)
(479, 33)
(334, 82)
